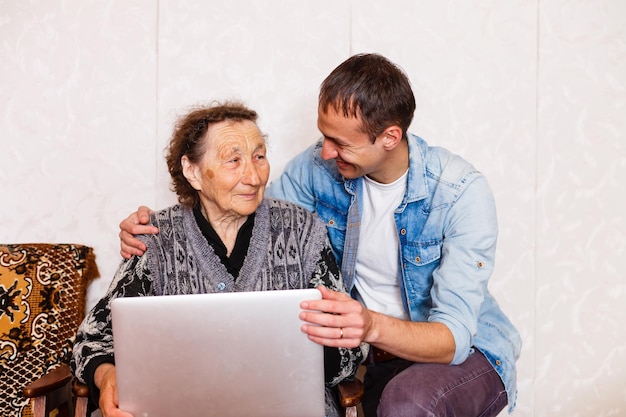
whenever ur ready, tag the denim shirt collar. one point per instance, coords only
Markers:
(416, 186)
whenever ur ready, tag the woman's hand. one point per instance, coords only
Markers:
(106, 380)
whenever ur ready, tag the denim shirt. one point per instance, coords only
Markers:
(447, 229)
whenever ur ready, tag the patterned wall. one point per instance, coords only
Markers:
(532, 92)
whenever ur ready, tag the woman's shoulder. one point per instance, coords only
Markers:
(286, 206)
(292, 215)
(171, 221)
(169, 214)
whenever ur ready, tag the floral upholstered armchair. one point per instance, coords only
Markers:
(42, 303)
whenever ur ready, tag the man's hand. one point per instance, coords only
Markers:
(106, 380)
(339, 321)
(336, 320)
(135, 224)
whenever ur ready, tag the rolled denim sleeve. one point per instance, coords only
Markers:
(467, 262)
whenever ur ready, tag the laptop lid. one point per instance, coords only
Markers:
(228, 354)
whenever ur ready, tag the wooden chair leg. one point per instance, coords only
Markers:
(81, 407)
(66, 410)
(59, 399)
(39, 406)
(351, 412)
(81, 394)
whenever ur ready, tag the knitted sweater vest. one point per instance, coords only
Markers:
(283, 252)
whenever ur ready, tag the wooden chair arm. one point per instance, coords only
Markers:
(51, 381)
(350, 392)
(79, 389)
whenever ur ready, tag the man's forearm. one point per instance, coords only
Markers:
(415, 341)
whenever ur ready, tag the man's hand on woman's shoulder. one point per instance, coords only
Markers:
(135, 224)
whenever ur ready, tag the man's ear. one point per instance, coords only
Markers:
(392, 136)
(191, 172)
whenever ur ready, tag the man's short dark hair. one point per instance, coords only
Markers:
(372, 87)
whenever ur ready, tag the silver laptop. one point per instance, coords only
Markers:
(229, 354)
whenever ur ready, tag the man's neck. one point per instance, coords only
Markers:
(394, 166)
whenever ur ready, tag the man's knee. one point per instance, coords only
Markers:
(433, 390)
(406, 398)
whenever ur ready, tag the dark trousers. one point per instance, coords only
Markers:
(399, 388)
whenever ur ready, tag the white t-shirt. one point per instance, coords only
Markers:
(376, 272)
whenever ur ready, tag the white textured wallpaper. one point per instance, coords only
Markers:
(532, 92)
(579, 339)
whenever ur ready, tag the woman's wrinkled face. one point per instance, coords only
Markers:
(233, 172)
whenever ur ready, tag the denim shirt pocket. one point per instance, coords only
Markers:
(419, 260)
(335, 221)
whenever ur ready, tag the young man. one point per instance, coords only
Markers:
(414, 228)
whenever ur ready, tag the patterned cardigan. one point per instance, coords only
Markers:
(289, 249)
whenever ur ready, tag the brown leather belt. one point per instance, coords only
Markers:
(379, 355)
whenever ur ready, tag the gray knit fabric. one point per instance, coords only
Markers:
(289, 249)
(284, 251)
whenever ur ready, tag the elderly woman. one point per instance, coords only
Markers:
(222, 236)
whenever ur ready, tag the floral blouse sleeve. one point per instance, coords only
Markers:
(94, 341)
(339, 363)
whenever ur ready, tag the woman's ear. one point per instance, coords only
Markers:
(191, 172)
(392, 137)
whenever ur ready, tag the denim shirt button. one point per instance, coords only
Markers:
(498, 362)
(331, 222)
(479, 264)
(221, 286)
(417, 259)
(403, 232)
